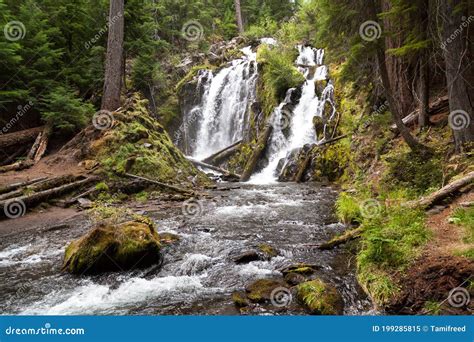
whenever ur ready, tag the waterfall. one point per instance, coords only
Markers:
(300, 120)
(221, 116)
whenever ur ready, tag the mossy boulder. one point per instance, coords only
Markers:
(320, 298)
(169, 238)
(240, 299)
(261, 290)
(138, 144)
(268, 251)
(109, 248)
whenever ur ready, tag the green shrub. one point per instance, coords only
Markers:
(66, 111)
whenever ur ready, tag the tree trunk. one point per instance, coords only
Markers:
(404, 131)
(113, 63)
(238, 15)
(257, 153)
(19, 138)
(424, 69)
(459, 71)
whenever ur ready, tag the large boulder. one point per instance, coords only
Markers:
(109, 248)
(320, 298)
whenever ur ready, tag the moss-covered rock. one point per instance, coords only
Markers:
(169, 238)
(320, 298)
(139, 144)
(261, 290)
(110, 247)
(267, 251)
(240, 299)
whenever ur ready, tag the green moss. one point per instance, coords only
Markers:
(102, 186)
(113, 248)
(140, 145)
(268, 250)
(191, 74)
(260, 291)
(377, 284)
(240, 299)
(320, 298)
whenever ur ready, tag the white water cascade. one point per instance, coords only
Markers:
(221, 115)
(302, 132)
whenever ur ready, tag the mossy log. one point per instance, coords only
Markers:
(163, 185)
(38, 197)
(11, 187)
(342, 239)
(437, 196)
(219, 157)
(257, 153)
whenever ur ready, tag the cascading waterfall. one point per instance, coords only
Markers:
(302, 131)
(221, 115)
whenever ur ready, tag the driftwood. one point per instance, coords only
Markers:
(214, 168)
(342, 239)
(437, 196)
(19, 138)
(15, 186)
(163, 185)
(224, 154)
(33, 199)
(257, 153)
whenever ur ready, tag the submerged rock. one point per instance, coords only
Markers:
(320, 298)
(109, 248)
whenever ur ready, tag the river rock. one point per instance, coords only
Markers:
(247, 257)
(320, 298)
(261, 290)
(108, 248)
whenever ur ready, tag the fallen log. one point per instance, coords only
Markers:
(17, 154)
(163, 185)
(224, 154)
(435, 108)
(257, 153)
(342, 239)
(20, 137)
(437, 196)
(19, 185)
(21, 165)
(214, 168)
(29, 201)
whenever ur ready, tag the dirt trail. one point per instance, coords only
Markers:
(438, 270)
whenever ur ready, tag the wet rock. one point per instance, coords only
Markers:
(436, 210)
(247, 257)
(84, 203)
(108, 248)
(169, 238)
(240, 299)
(302, 268)
(267, 251)
(295, 278)
(261, 290)
(320, 298)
